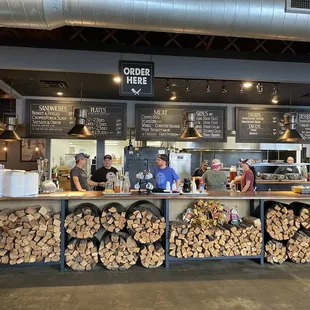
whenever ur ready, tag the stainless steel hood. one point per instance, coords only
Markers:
(265, 19)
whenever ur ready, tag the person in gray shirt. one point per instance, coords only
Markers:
(287, 169)
(78, 178)
(215, 179)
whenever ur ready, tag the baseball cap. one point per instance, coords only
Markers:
(81, 156)
(107, 157)
(205, 162)
(163, 157)
(246, 161)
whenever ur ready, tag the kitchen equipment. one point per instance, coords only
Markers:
(14, 183)
(187, 186)
(279, 176)
(2, 173)
(181, 163)
(293, 176)
(31, 183)
(267, 176)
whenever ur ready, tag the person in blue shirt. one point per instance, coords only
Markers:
(162, 173)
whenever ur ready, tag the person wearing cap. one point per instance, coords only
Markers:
(248, 178)
(200, 171)
(287, 169)
(163, 174)
(215, 179)
(78, 176)
(105, 173)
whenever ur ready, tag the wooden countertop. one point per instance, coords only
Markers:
(227, 195)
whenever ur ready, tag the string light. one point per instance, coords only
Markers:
(240, 88)
(224, 88)
(247, 84)
(275, 90)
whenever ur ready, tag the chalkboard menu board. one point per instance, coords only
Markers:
(54, 119)
(160, 123)
(266, 126)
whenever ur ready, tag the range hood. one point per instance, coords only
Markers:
(80, 129)
(268, 19)
(291, 133)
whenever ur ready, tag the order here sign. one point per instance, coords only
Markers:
(137, 78)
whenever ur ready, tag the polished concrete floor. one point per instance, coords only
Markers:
(203, 285)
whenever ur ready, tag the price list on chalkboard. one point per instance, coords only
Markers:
(254, 125)
(166, 123)
(211, 123)
(54, 119)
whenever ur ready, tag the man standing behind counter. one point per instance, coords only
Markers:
(163, 174)
(287, 169)
(105, 173)
(78, 176)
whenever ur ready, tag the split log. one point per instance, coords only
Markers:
(118, 251)
(82, 254)
(29, 235)
(305, 217)
(113, 217)
(298, 247)
(281, 223)
(275, 252)
(187, 240)
(253, 221)
(152, 255)
(145, 223)
(83, 222)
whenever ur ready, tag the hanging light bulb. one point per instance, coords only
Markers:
(259, 88)
(275, 90)
(240, 88)
(80, 129)
(5, 149)
(187, 87)
(224, 88)
(167, 85)
(10, 123)
(130, 147)
(208, 88)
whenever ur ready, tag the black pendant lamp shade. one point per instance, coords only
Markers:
(9, 133)
(189, 131)
(80, 129)
(291, 134)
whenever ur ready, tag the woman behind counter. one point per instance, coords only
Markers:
(215, 179)
(248, 178)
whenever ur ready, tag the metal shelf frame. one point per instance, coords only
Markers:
(165, 205)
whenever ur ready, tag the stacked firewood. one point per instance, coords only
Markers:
(305, 217)
(152, 255)
(187, 240)
(29, 235)
(113, 217)
(145, 226)
(298, 247)
(81, 254)
(275, 252)
(118, 251)
(281, 223)
(82, 223)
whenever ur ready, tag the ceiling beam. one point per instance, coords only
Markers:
(7, 88)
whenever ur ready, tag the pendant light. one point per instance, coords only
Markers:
(130, 147)
(80, 129)
(10, 123)
(291, 134)
(190, 132)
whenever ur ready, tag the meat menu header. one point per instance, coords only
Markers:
(55, 119)
(159, 122)
(255, 125)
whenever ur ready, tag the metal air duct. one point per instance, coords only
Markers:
(9, 134)
(264, 19)
(189, 131)
(80, 129)
(291, 134)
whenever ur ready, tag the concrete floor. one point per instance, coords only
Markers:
(202, 285)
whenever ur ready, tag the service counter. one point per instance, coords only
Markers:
(171, 205)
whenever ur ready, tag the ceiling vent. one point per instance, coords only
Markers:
(298, 6)
(53, 84)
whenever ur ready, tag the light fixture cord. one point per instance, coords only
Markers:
(81, 91)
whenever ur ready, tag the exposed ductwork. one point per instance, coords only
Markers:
(264, 19)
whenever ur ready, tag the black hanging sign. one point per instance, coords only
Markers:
(137, 78)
